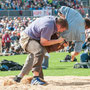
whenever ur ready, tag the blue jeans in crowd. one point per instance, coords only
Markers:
(84, 57)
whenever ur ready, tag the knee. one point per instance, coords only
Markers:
(40, 52)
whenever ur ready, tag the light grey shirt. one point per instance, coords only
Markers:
(76, 31)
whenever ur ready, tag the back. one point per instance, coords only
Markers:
(41, 27)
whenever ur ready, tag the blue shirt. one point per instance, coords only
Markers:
(43, 27)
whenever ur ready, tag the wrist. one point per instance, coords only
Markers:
(65, 41)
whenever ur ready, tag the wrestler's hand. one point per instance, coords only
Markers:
(65, 44)
(60, 40)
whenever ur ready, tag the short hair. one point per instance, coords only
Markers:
(87, 22)
(62, 22)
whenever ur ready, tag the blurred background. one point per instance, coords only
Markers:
(16, 15)
(34, 8)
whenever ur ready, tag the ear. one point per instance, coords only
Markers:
(57, 26)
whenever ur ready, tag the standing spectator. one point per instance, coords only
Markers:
(6, 40)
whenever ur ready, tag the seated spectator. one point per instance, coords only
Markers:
(11, 28)
(14, 37)
(87, 16)
(1, 27)
(12, 50)
(17, 48)
(37, 4)
(87, 26)
(84, 57)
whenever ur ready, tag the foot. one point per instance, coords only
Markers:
(17, 79)
(37, 81)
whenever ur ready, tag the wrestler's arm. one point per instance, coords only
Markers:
(45, 42)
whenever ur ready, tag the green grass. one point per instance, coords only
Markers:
(56, 68)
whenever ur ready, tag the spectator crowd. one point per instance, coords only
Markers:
(10, 30)
(38, 4)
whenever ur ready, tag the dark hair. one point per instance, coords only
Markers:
(59, 12)
(87, 22)
(62, 22)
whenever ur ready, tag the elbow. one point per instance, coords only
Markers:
(43, 43)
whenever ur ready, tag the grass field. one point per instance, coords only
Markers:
(56, 68)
